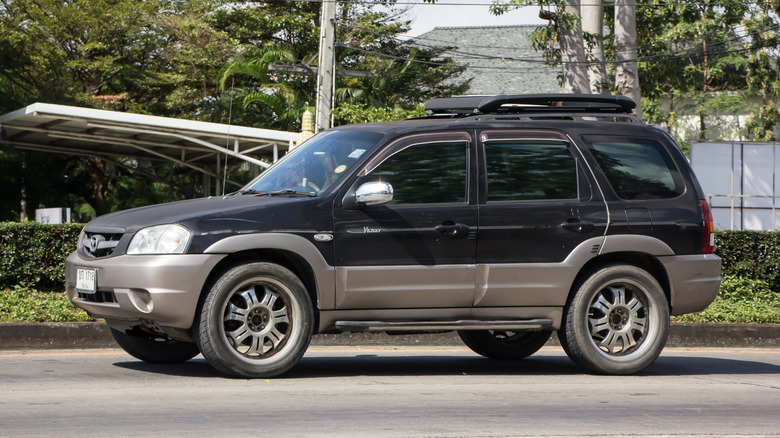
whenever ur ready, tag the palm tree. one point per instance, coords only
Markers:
(281, 99)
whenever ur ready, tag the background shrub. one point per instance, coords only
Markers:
(750, 254)
(33, 254)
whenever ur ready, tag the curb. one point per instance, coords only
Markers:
(82, 335)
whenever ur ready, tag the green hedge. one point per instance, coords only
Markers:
(33, 254)
(752, 255)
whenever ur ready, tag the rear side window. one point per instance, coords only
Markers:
(637, 168)
(522, 170)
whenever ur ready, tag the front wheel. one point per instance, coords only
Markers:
(617, 321)
(256, 321)
(504, 345)
(155, 349)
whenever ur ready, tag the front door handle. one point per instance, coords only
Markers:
(451, 229)
(578, 226)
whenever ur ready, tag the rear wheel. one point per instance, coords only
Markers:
(152, 349)
(505, 345)
(617, 321)
(256, 321)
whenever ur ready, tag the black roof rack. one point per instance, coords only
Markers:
(514, 103)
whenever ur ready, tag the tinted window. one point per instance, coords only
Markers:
(637, 168)
(525, 171)
(426, 173)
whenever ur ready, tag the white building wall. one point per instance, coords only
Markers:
(740, 182)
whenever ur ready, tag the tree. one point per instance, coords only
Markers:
(565, 28)
(280, 98)
(148, 56)
(709, 60)
(593, 32)
(626, 65)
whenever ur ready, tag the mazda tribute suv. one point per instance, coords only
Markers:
(504, 218)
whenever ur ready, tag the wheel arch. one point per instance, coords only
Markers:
(641, 260)
(290, 251)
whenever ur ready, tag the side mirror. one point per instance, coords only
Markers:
(372, 193)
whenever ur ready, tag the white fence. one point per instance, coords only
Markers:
(740, 182)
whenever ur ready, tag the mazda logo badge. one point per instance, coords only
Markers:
(94, 242)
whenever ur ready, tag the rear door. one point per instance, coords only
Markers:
(538, 202)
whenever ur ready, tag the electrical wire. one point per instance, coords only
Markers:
(651, 58)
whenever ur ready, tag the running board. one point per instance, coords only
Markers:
(382, 326)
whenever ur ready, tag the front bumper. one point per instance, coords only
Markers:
(162, 289)
(695, 281)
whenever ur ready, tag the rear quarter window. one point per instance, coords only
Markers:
(637, 168)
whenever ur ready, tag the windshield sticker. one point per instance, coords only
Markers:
(319, 153)
(340, 169)
(357, 153)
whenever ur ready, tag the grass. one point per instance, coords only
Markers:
(740, 301)
(27, 305)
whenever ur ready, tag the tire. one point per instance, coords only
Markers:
(155, 350)
(256, 321)
(504, 345)
(617, 322)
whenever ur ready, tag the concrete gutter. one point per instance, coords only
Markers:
(33, 336)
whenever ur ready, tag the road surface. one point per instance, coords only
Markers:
(398, 392)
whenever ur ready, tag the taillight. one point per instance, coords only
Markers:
(708, 234)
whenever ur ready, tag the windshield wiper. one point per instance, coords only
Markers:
(291, 192)
(248, 192)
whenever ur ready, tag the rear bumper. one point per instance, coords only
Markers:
(694, 281)
(164, 289)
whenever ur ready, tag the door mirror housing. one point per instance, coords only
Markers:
(371, 193)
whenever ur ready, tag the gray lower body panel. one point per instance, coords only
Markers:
(330, 320)
(695, 281)
(160, 288)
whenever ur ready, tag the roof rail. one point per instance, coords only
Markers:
(513, 103)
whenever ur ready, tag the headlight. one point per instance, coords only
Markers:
(160, 239)
(82, 237)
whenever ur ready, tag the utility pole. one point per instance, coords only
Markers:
(326, 78)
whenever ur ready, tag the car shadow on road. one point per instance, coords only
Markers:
(437, 365)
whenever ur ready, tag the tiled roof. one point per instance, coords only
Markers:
(491, 55)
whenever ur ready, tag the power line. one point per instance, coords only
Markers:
(412, 3)
(652, 58)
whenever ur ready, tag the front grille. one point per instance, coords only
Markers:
(98, 297)
(100, 244)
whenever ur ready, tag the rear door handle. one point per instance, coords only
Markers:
(578, 226)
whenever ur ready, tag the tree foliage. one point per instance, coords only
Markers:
(196, 59)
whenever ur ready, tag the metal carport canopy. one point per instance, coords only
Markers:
(99, 133)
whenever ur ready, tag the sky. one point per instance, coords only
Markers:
(425, 16)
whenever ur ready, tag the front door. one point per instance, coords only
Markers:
(417, 251)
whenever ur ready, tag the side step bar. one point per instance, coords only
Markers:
(382, 326)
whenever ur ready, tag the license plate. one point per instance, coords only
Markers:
(86, 280)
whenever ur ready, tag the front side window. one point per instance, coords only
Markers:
(529, 170)
(426, 173)
(637, 168)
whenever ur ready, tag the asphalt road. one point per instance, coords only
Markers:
(399, 392)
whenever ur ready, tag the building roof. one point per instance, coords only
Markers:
(499, 59)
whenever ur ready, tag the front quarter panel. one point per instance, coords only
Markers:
(324, 273)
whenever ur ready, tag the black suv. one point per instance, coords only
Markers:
(502, 217)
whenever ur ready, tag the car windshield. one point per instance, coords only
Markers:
(315, 165)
